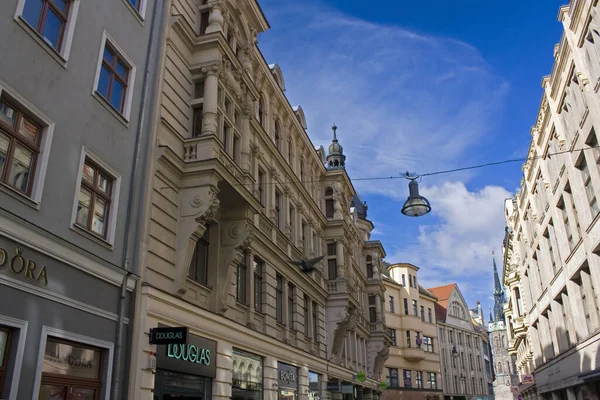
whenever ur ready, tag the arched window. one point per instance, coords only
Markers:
(276, 134)
(369, 267)
(504, 341)
(329, 203)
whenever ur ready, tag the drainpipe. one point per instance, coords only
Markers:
(129, 254)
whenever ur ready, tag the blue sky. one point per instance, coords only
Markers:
(422, 86)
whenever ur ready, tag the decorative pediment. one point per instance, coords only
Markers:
(197, 206)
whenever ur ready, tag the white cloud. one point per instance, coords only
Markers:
(402, 100)
(469, 226)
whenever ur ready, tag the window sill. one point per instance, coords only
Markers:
(136, 13)
(92, 237)
(6, 189)
(199, 284)
(42, 42)
(110, 108)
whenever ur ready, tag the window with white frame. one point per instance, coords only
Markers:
(25, 138)
(115, 77)
(52, 21)
(139, 6)
(95, 209)
(73, 365)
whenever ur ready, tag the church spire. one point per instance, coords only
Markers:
(498, 295)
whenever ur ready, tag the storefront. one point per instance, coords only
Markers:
(185, 371)
(287, 376)
(314, 386)
(57, 327)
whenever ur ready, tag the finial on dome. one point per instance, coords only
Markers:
(334, 128)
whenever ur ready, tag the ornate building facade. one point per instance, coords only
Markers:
(461, 346)
(254, 240)
(413, 368)
(551, 259)
(506, 377)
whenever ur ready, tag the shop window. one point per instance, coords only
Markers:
(4, 346)
(314, 392)
(71, 371)
(247, 376)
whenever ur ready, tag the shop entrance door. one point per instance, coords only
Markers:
(175, 386)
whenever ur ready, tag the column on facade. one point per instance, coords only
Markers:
(221, 387)
(339, 250)
(303, 383)
(215, 18)
(211, 94)
(270, 388)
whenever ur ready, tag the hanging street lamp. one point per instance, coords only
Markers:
(416, 205)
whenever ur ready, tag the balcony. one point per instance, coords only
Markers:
(413, 353)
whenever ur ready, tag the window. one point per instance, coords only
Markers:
(410, 282)
(419, 379)
(290, 305)
(468, 340)
(405, 306)
(261, 186)
(258, 284)
(49, 18)
(369, 267)
(279, 299)
(589, 187)
(428, 344)
(432, 380)
(261, 112)
(331, 260)
(276, 135)
(197, 121)
(429, 315)
(391, 304)
(304, 236)
(451, 334)
(94, 199)
(455, 384)
(137, 4)
(20, 140)
(315, 321)
(72, 368)
(292, 217)
(306, 316)
(460, 341)
(415, 308)
(462, 359)
(329, 203)
(392, 379)
(302, 170)
(290, 151)
(277, 209)
(422, 313)
(418, 340)
(4, 347)
(372, 308)
(241, 272)
(114, 78)
(408, 344)
(403, 280)
(199, 266)
(478, 363)
(407, 380)
(470, 361)
(393, 336)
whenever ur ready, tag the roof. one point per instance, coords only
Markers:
(443, 294)
(425, 292)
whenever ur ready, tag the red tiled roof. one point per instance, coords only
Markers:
(443, 294)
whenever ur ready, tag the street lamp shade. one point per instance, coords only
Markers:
(416, 205)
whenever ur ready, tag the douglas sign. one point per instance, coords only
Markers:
(168, 335)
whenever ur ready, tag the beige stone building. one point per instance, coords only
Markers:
(462, 343)
(551, 250)
(413, 367)
(238, 193)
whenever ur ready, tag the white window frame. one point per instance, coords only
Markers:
(130, 83)
(61, 55)
(21, 326)
(35, 198)
(114, 201)
(139, 14)
(77, 338)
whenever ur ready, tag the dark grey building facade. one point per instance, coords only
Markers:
(76, 99)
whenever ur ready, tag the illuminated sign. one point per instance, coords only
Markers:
(168, 335)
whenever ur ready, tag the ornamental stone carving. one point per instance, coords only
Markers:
(197, 207)
(347, 324)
